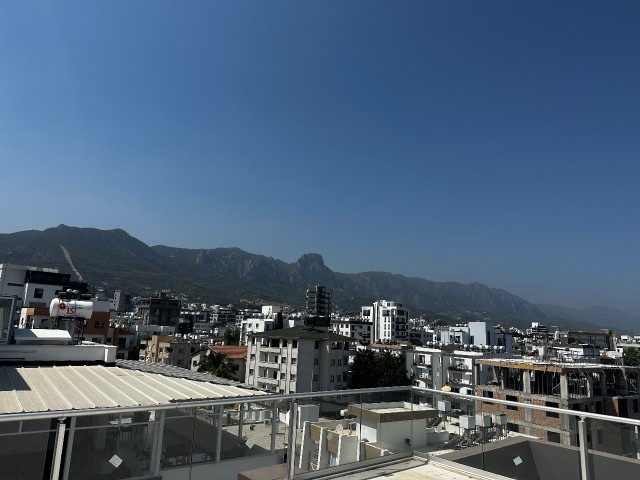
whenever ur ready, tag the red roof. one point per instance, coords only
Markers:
(231, 351)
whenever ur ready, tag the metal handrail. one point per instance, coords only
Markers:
(563, 411)
(268, 397)
(259, 397)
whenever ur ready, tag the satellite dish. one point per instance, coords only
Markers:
(339, 428)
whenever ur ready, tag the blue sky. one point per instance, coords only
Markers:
(466, 141)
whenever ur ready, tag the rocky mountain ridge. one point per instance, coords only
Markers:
(113, 259)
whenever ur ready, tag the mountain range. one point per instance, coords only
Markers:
(113, 259)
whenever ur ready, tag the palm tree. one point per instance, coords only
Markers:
(218, 364)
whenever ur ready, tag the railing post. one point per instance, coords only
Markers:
(57, 450)
(291, 447)
(67, 457)
(158, 433)
(274, 425)
(584, 450)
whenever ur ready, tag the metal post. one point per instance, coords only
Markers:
(240, 419)
(220, 409)
(158, 432)
(57, 450)
(584, 450)
(291, 447)
(274, 426)
(67, 457)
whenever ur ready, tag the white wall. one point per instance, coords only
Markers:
(224, 470)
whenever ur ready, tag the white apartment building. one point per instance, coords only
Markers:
(358, 329)
(390, 321)
(447, 367)
(35, 286)
(264, 323)
(297, 359)
(477, 334)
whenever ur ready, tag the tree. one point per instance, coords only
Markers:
(231, 336)
(218, 364)
(631, 357)
(392, 370)
(363, 372)
(382, 370)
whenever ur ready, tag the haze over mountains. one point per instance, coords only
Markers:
(115, 260)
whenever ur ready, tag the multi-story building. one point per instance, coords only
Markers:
(318, 306)
(35, 286)
(477, 334)
(604, 389)
(159, 309)
(389, 320)
(447, 368)
(298, 359)
(358, 329)
(223, 315)
(169, 350)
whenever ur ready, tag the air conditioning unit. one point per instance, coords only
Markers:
(267, 421)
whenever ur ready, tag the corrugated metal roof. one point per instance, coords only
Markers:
(51, 388)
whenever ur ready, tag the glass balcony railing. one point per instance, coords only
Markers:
(312, 434)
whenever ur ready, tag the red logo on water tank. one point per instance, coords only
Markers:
(62, 306)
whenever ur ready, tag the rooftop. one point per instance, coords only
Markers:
(52, 388)
(302, 333)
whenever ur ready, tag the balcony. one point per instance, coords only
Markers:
(460, 367)
(319, 434)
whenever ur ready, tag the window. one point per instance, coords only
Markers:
(333, 363)
(38, 293)
(294, 360)
(552, 414)
(251, 371)
(315, 378)
(294, 344)
(315, 361)
(293, 377)
(513, 427)
(339, 362)
(98, 324)
(332, 379)
(283, 376)
(339, 378)
(512, 398)
(553, 437)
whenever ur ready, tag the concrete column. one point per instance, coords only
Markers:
(590, 391)
(305, 445)
(564, 387)
(323, 450)
(526, 382)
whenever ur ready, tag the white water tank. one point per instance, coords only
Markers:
(70, 309)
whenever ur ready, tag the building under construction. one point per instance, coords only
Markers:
(319, 306)
(588, 387)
